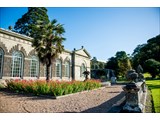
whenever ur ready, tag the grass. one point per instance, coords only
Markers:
(147, 75)
(154, 86)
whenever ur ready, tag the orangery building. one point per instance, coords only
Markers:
(18, 60)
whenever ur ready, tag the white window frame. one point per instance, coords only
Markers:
(82, 69)
(67, 69)
(1, 62)
(59, 70)
(34, 73)
(17, 55)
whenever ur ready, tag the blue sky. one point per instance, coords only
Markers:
(102, 31)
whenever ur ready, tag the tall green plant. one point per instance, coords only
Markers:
(48, 39)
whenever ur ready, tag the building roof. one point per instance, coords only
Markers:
(82, 49)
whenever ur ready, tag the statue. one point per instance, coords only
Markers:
(140, 75)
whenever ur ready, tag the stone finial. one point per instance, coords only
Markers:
(132, 75)
(139, 69)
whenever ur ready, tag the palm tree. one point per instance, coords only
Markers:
(48, 39)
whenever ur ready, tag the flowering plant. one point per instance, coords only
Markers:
(55, 88)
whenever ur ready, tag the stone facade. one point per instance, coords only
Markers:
(11, 42)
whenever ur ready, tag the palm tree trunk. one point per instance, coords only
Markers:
(47, 68)
(47, 72)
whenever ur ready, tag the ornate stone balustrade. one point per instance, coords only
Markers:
(134, 93)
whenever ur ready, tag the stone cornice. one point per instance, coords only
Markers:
(14, 34)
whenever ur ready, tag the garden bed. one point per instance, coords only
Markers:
(53, 89)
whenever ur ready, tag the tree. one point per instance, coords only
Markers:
(25, 24)
(121, 55)
(112, 64)
(120, 63)
(124, 63)
(48, 41)
(153, 67)
(148, 55)
(150, 50)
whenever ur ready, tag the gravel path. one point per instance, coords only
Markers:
(98, 101)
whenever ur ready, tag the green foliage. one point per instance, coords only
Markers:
(24, 25)
(48, 39)
(54, 88)
(154, 86)
(150, 50)
(48, 36)
(153, 67)
(121, 63)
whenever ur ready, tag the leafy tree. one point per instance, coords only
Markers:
(153, 67)
(112, 64)
(48, 41)
(123, 66)
(148, 55)
(48, 36)
(150, 50)
(120, 63)
(123, 62)
(121, 55)
(25, 24)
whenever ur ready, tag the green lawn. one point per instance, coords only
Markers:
(154, 86)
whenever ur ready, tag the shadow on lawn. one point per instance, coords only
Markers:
(154, 86)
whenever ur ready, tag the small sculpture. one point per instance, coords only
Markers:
(140, 75)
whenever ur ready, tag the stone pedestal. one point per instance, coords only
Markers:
(133, 95)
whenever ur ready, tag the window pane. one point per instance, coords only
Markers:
(67, 69)
(34, 67)
(17, 64)
(82, 69)
(58, 68)
(1, 62)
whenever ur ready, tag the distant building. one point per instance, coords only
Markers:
(97, 64)
(98, 70)
(18, 60)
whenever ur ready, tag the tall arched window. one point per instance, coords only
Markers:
(1, 61)
(67, 69)
(17, 64)
(82, 69)
(34, 67)
(58, 68)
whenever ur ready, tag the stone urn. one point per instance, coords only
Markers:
(86, 73)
